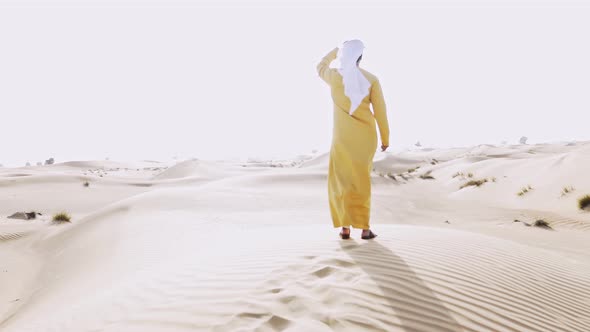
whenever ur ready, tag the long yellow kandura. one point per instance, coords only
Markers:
(354, 143)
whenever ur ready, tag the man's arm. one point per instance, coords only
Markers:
(380, 112)
(323, 67)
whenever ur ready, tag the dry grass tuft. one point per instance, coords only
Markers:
(61, 217)
(567, 190)
(542, 224)
(584, 203)
(475, 183)
(524, 190)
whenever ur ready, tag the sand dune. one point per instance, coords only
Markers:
(251, 249)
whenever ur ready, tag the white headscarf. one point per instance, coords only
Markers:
(356, 86)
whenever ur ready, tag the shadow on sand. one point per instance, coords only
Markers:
(411, 300)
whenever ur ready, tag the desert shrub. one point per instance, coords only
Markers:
(469, 175)
(61, 217)
(567, 190)
(458, 174)
(541, 223)
(86, 184)
(475, 183)
(584, 202)
(524, 190)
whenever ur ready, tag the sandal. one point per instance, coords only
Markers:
(345, 236)
(371, 235)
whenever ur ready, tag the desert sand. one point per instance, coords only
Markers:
(227, 246)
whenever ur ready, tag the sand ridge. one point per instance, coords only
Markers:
(251, 248)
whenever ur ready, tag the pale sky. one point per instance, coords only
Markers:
(136, 80)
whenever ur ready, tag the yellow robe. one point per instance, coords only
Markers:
(354, 142)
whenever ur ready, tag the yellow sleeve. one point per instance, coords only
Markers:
(380, 112)
(324, 66)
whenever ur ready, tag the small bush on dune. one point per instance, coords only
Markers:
(542, 224)
(61, 217)
(475, 183)
(458, 174)
(86, 184)
(567, 190)
(584, 203)
(524, 190)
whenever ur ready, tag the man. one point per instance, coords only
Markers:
(354, 139)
